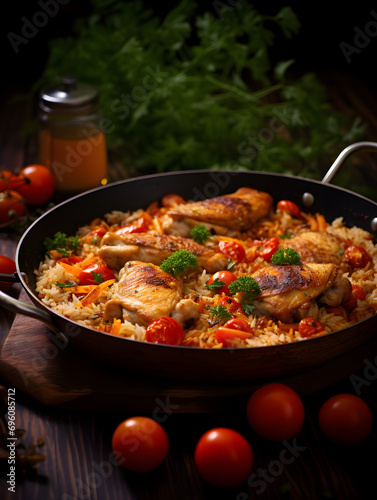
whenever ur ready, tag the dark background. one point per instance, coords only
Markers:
(323, 28)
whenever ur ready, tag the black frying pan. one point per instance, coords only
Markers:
(185, 362)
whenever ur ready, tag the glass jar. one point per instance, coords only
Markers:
(71, 142)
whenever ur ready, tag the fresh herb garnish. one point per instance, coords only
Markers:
(249, 287)
(215, 285)
(231, 264)
(178, 262)
(286, 236)
(286, 256)
(68, 284)
(98, 277)
(200, 233)
(62, 243)
(219, 313)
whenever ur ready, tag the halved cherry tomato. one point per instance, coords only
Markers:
(165, 330)
(223, 457)
(11, 206)
(275, 412)
(231, 304)
(290, 207)
(309, 327)
(235, 328)
(140, 444)
(267, 248)
(35, 184)
(170, 200)
(233, 250)
(7, 266)
(95, 274)
(224, 276)
(357, 294)
(96, 235)
(73, 259)
(345, 419)
(141, 226)
(357, 256)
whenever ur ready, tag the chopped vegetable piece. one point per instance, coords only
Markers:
(178, 262)
(165, 330)
(219, 282)
(357, 256)
(267, 248)
(309, 327)
(285, 256)
(233, 250)
(94, 293)
(290, 207)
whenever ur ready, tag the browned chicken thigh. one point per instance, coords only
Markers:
(315, 247)
(237, 211)
(288, 292)
(143, 294)
(117, 249)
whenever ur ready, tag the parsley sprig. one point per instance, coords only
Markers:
(250, 289)
(200, 233)
(178, 262)
(66, 245)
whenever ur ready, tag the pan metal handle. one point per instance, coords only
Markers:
(17, 306)
(357, 146)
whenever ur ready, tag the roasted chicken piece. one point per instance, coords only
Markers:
(290, 290)
(315, 247)
(118, 249)
(237, 211)
(143, 294)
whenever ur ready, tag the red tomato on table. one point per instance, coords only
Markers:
(345, 419)
(275, 412)
(140, 444)
(223, 457)
(7, 266)
(35, 184)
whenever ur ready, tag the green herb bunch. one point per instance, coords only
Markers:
(193, 89)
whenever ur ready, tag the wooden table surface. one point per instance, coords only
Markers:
(77, 444)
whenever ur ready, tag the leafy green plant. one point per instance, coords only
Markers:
(195, 90)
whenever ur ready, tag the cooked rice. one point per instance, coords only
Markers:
(266, 331)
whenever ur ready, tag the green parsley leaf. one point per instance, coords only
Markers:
(68, 284)
(98, 277)
(285, 256)
(64, 244)
(219, 313)
(215, 285)
(178, 262)
(200, 233)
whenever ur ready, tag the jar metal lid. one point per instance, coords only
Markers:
(69, 96)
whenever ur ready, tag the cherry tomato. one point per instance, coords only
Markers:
(290, 207)
(35, 183)
(95, 274)
(140, 444)
(7, 266)
(96, 235)
(357, 294)
(226, 277)
(345, 419)
(235, 328)
(309, 327)
(233, 250)
(267, 248)
(357, 256)
(223, 457)
(275, 412)
(11, 206)
(231, 304)
(171, 200)
(165, 330)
